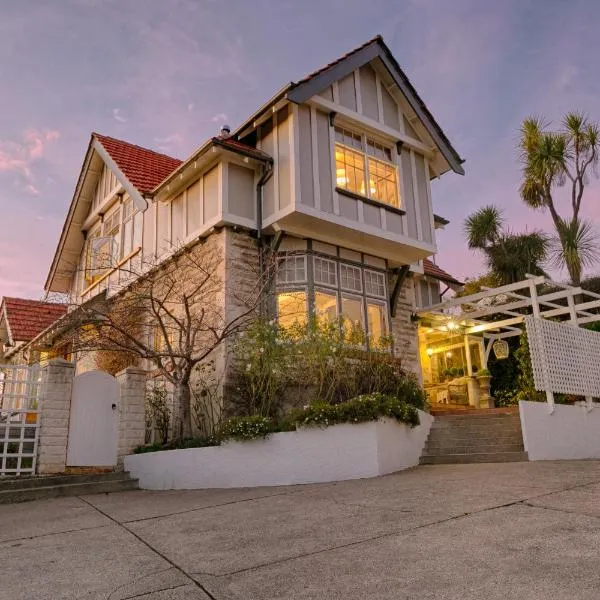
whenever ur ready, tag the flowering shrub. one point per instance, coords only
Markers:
(246, 428)
(367, 407)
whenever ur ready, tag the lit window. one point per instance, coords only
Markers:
(351, 278)
(349, 169)
(292, 308)
(371, 174)
(375, 283)
(382, 182)
(292, 269)
(352, 316)
(376, 322)
(325, 271)
(326, 305)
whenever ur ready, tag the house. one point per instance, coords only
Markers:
(333, 173)
(21, 320)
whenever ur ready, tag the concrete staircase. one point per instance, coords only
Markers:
(484, 436)
(22, 489)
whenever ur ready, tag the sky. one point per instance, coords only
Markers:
(168, 74)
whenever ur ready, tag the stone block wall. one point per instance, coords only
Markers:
(55, 408)
(131, 428)
(404, 331)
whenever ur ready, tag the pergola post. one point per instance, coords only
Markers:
(468, 357)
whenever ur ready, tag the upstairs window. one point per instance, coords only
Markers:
(364, 166)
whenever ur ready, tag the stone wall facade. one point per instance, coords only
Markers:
(131, 428)
(404, 330)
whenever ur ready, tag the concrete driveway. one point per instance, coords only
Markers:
(484, 532)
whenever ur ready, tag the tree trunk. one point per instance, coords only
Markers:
(182, 423)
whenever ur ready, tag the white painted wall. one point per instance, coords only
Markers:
(304, 456)
(567, 434)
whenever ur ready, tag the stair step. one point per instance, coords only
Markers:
(68, 489)
(22, 482)
(481, 449)
(490, 457)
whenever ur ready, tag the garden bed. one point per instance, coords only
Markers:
(308, 455)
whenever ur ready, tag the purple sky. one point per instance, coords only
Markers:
(166, 75)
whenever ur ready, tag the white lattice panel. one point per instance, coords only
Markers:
(565, 358)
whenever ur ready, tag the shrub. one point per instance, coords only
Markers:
(367, 407)
(246, 428)
(158, 413)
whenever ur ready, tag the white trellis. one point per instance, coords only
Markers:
(19, 419)
(564, 356)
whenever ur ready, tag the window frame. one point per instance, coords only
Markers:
(310, 287)
(366, 156)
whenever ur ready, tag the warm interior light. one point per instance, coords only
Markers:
(451, 325)
(448, 354)
(341, 178)
(429, 351)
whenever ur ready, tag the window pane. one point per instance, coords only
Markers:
(326, 305)
(351, 278)
(375, 283)
(382, 182)
(376, 322)
(352, 317)
(292, 270)
(325, 271)
(349, 169)
(291, 308)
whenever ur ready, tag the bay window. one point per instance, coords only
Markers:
(332, 289)
(364, 167)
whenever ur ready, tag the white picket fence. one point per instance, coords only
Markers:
(19, 419)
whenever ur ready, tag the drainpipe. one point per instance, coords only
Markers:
(266, 175)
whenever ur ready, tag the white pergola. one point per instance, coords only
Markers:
(495, 313)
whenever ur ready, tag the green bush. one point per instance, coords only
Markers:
(246, 428)
(367, 407)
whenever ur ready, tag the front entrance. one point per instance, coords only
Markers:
(93, 422)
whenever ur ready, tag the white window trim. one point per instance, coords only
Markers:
(282, 259)
(371, 294)
(366, 156)
(351, 290)
(335, 267)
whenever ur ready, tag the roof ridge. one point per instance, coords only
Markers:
(15, 299)
(120, 141)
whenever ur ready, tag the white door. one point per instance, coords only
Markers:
(93, 421)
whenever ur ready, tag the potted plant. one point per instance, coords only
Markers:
(484, 377)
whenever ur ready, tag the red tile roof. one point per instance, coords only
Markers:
(144, 168)
(432, 270)
(28, 318)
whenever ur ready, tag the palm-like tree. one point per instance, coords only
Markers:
(552, 159)
(510, 257)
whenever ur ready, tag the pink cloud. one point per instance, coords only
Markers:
(19, 156)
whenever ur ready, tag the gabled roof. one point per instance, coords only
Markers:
(144, 168)
(320, 79)
(27, 318)
(432, 270)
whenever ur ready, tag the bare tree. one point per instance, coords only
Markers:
(174, 314)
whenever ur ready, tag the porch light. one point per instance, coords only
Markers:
(500, 348)
(429, 351)
(448, 354)
(451, 325)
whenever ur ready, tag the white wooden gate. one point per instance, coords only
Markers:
(93, 421)
(19, 419)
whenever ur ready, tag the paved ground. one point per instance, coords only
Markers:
(485, 532)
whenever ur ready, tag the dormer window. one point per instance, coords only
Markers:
(364, 166)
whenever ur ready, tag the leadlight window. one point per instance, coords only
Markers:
(350, 278)
(364, 166)
(325, 271)
(292, 269)
(375, 283)
(361, 308)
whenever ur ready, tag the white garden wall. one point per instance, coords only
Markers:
(569, 433)
(304, 456)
